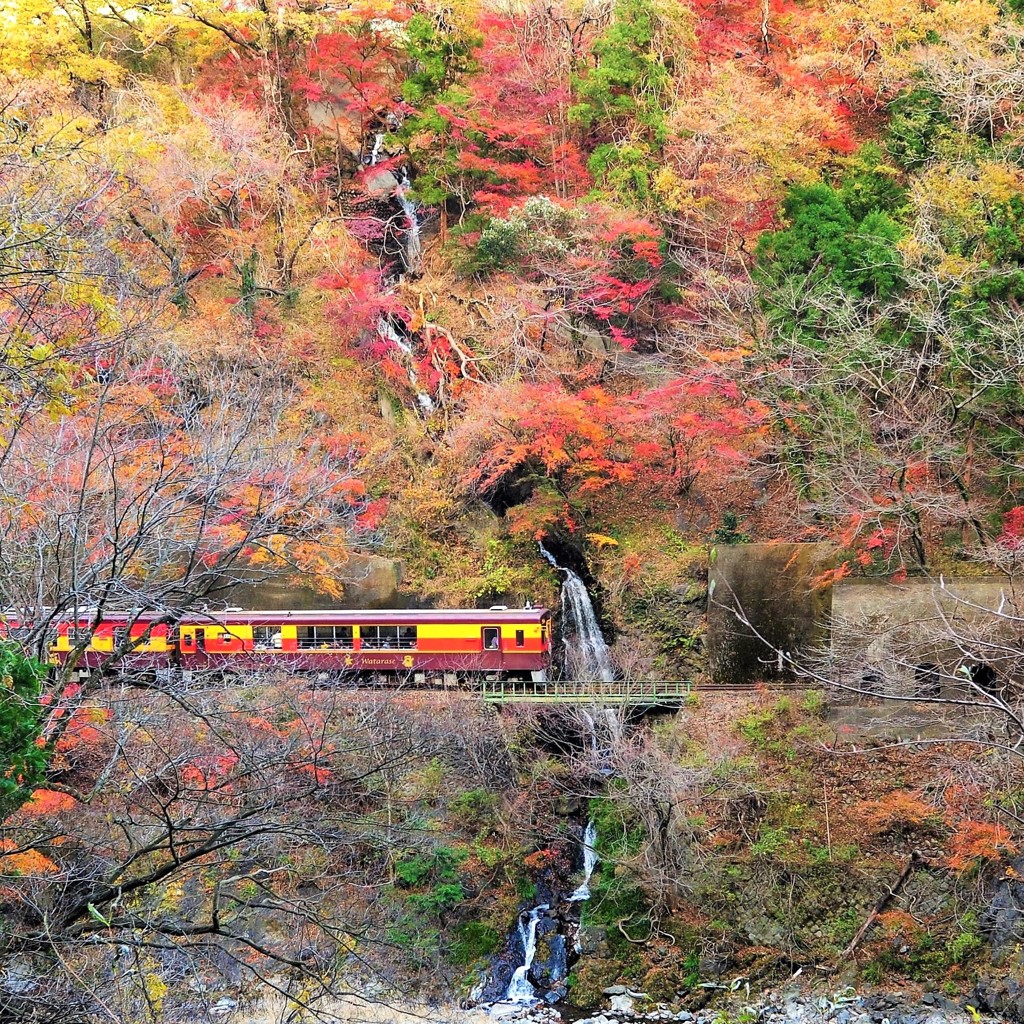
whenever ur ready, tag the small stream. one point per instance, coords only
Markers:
(589, 863)
(412, 250)
(388, 329)
(389, 332)
(538, 981)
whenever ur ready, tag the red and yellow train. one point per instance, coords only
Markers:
(427, 644)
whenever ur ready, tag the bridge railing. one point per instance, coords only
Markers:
(585, 690)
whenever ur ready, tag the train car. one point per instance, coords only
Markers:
(425, 645)
(148, 644)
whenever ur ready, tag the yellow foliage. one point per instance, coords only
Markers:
(171, 897)
(599, 540)
(739, 141)
(156, 990)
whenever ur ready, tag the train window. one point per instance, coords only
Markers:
(79, 635)
(327, 637)
(520, 638)
(984, 676)
(871, 681)
(123, 641)
(492, 638)
(388, 637)
(263, 637)
(928, 680)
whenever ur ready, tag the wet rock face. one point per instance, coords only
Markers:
(550, 964)
(1002, 925)
(543, 937)
(593, 940)
(1003, 922)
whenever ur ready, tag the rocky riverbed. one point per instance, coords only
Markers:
(845, 1007)
(788, 1006)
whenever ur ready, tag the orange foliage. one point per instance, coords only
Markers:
(47, 801)
(831, 576)
(82, 730)
(896, 927)
(977, 841)
(210, 773)
(897, 812)
(25, 862)
(542, 860)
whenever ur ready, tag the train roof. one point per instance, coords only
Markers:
(358, 616)
(382, 616)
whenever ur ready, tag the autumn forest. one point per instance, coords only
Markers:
(290, 290)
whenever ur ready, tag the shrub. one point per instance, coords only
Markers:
(437, 900)
(897, 813)
(475, 808)
(962, 947)
(975, 842)
(619, 834)
(440, 865)
(814, 703)
(500, 247)
(474, 941)
(769, 841)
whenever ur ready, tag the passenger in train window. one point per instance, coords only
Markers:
(275, 640)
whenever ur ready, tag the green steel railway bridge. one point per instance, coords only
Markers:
(661, 693)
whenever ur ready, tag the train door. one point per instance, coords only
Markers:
(491, 636)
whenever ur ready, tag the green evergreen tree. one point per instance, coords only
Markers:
(23, 758)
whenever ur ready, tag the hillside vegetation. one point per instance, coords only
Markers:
(675, 268)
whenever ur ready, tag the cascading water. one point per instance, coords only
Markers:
(378, 141)
(588, 721)
(542, 935)
(411, 256)
(589, 863)
(389, 333)
(519, 988)
(589, 658)
(412, 251)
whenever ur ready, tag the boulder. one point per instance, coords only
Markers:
(1002, 995)
(593, 940)
(623, 1003)
(550, 963)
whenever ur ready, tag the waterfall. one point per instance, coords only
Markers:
(519, 988)
(378, 141)
(548, 926)
(412, 246)
(589, 657)
(589, 863)
(412, 249)
(588, 721)
(388, 332)
(614, 726)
